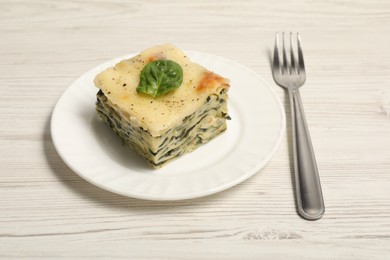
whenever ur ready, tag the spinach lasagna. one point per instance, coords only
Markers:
(162, 127)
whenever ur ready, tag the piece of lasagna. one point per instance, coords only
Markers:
(162, 127)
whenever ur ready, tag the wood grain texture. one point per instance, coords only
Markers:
(47, 211)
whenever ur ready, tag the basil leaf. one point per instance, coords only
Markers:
(160, 77)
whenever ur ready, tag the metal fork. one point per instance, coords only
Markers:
(291, 74)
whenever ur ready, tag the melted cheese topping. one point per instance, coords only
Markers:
(157, 115)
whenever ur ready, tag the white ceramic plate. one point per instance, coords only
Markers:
(93, 151)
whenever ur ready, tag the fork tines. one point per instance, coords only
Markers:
(291, 65)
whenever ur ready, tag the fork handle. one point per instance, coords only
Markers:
(309, 197)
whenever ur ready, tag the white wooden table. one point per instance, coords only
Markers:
(47, 211)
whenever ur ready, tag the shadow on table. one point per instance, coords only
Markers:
(287, 110)
(78, 185)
